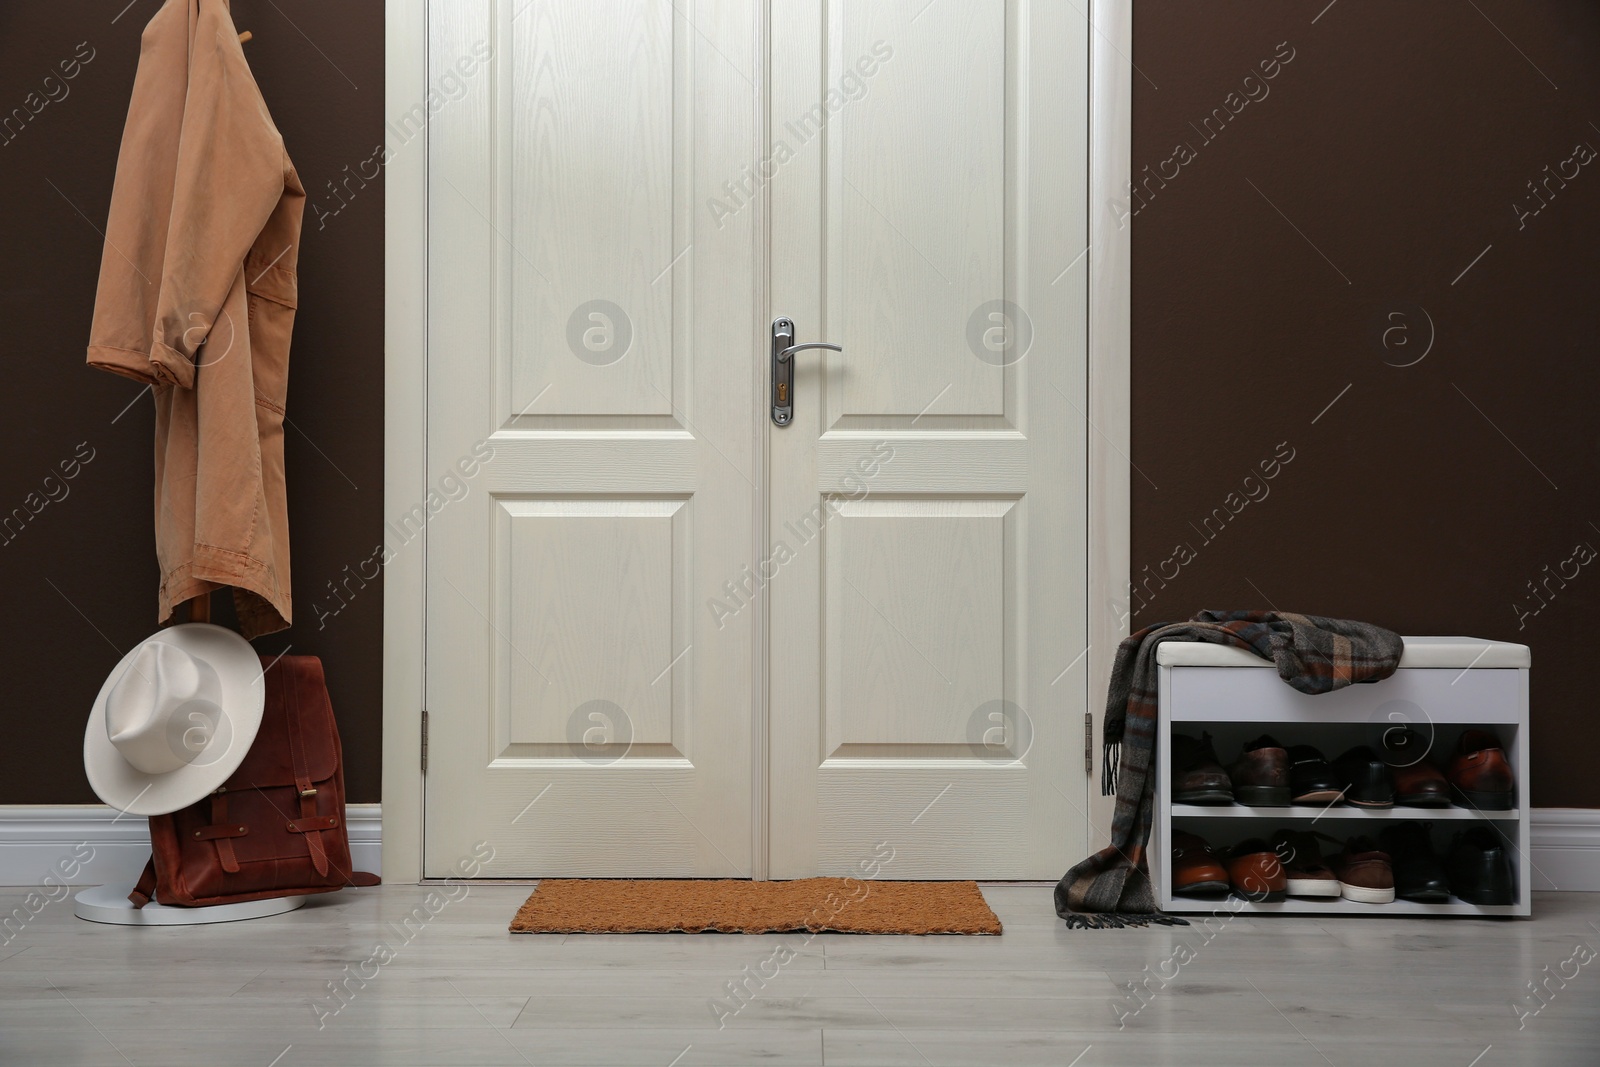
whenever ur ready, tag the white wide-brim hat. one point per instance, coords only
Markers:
(175, 719)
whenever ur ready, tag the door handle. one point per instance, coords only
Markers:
(783, 350)
(788, 353)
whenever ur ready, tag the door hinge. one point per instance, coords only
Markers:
(424, 741)
(1088, 743)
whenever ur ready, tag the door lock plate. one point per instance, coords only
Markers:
(782, 373)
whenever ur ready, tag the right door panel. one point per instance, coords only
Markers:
(928, 176)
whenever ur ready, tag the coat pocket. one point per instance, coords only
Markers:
(273, 300)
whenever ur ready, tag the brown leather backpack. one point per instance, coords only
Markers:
(276, 827)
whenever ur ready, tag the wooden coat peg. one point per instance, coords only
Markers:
(246, 37)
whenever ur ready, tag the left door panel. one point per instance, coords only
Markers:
(591, 436)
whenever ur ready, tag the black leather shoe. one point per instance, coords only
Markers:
(1418, 874)
(1480, 869)
(1371, 785)
(1197, 776)
(1311, 778)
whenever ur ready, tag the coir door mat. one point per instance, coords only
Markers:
(840, 905)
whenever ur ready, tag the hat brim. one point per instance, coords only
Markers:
(244, 695)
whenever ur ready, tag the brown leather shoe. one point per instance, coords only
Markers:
(1256, 872)
(1197, 776)
(1261, 774)
(1197, 870)
(1417, 782)
(1480, 773)
(1365, 871)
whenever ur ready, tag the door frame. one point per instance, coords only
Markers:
(406, 477)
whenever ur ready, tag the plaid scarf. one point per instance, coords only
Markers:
(1313, 654)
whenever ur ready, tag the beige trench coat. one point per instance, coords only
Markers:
(197, 297)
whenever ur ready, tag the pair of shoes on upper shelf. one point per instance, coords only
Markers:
(1400, 864)
(1269, 774)
(1478, 776)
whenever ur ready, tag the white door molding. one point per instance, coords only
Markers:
(405, 386)
(1110, 397)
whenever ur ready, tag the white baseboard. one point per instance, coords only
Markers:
(1565, 848)
(91, 844)
(38, 843)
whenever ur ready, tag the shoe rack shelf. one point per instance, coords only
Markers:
(1315, 813)
(1444, 685)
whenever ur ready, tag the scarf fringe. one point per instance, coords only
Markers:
(1111, 761)
(1109, 921)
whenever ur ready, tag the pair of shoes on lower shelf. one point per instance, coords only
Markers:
(1252, 869)
(1269, 774)
(1292, 864)
(1401, 864)
(1360, 871)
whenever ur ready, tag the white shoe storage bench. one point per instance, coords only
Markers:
(1444, 685)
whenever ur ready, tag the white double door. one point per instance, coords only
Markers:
(667, 636)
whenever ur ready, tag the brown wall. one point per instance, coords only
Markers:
(79, 581)
(1396, 139)
(1385, 157)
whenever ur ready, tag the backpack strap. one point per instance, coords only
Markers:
(145, 889)
(221, 833)
(306, 789)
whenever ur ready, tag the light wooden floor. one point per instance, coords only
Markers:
(461, 991)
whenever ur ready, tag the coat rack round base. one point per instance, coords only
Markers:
(109, 904)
